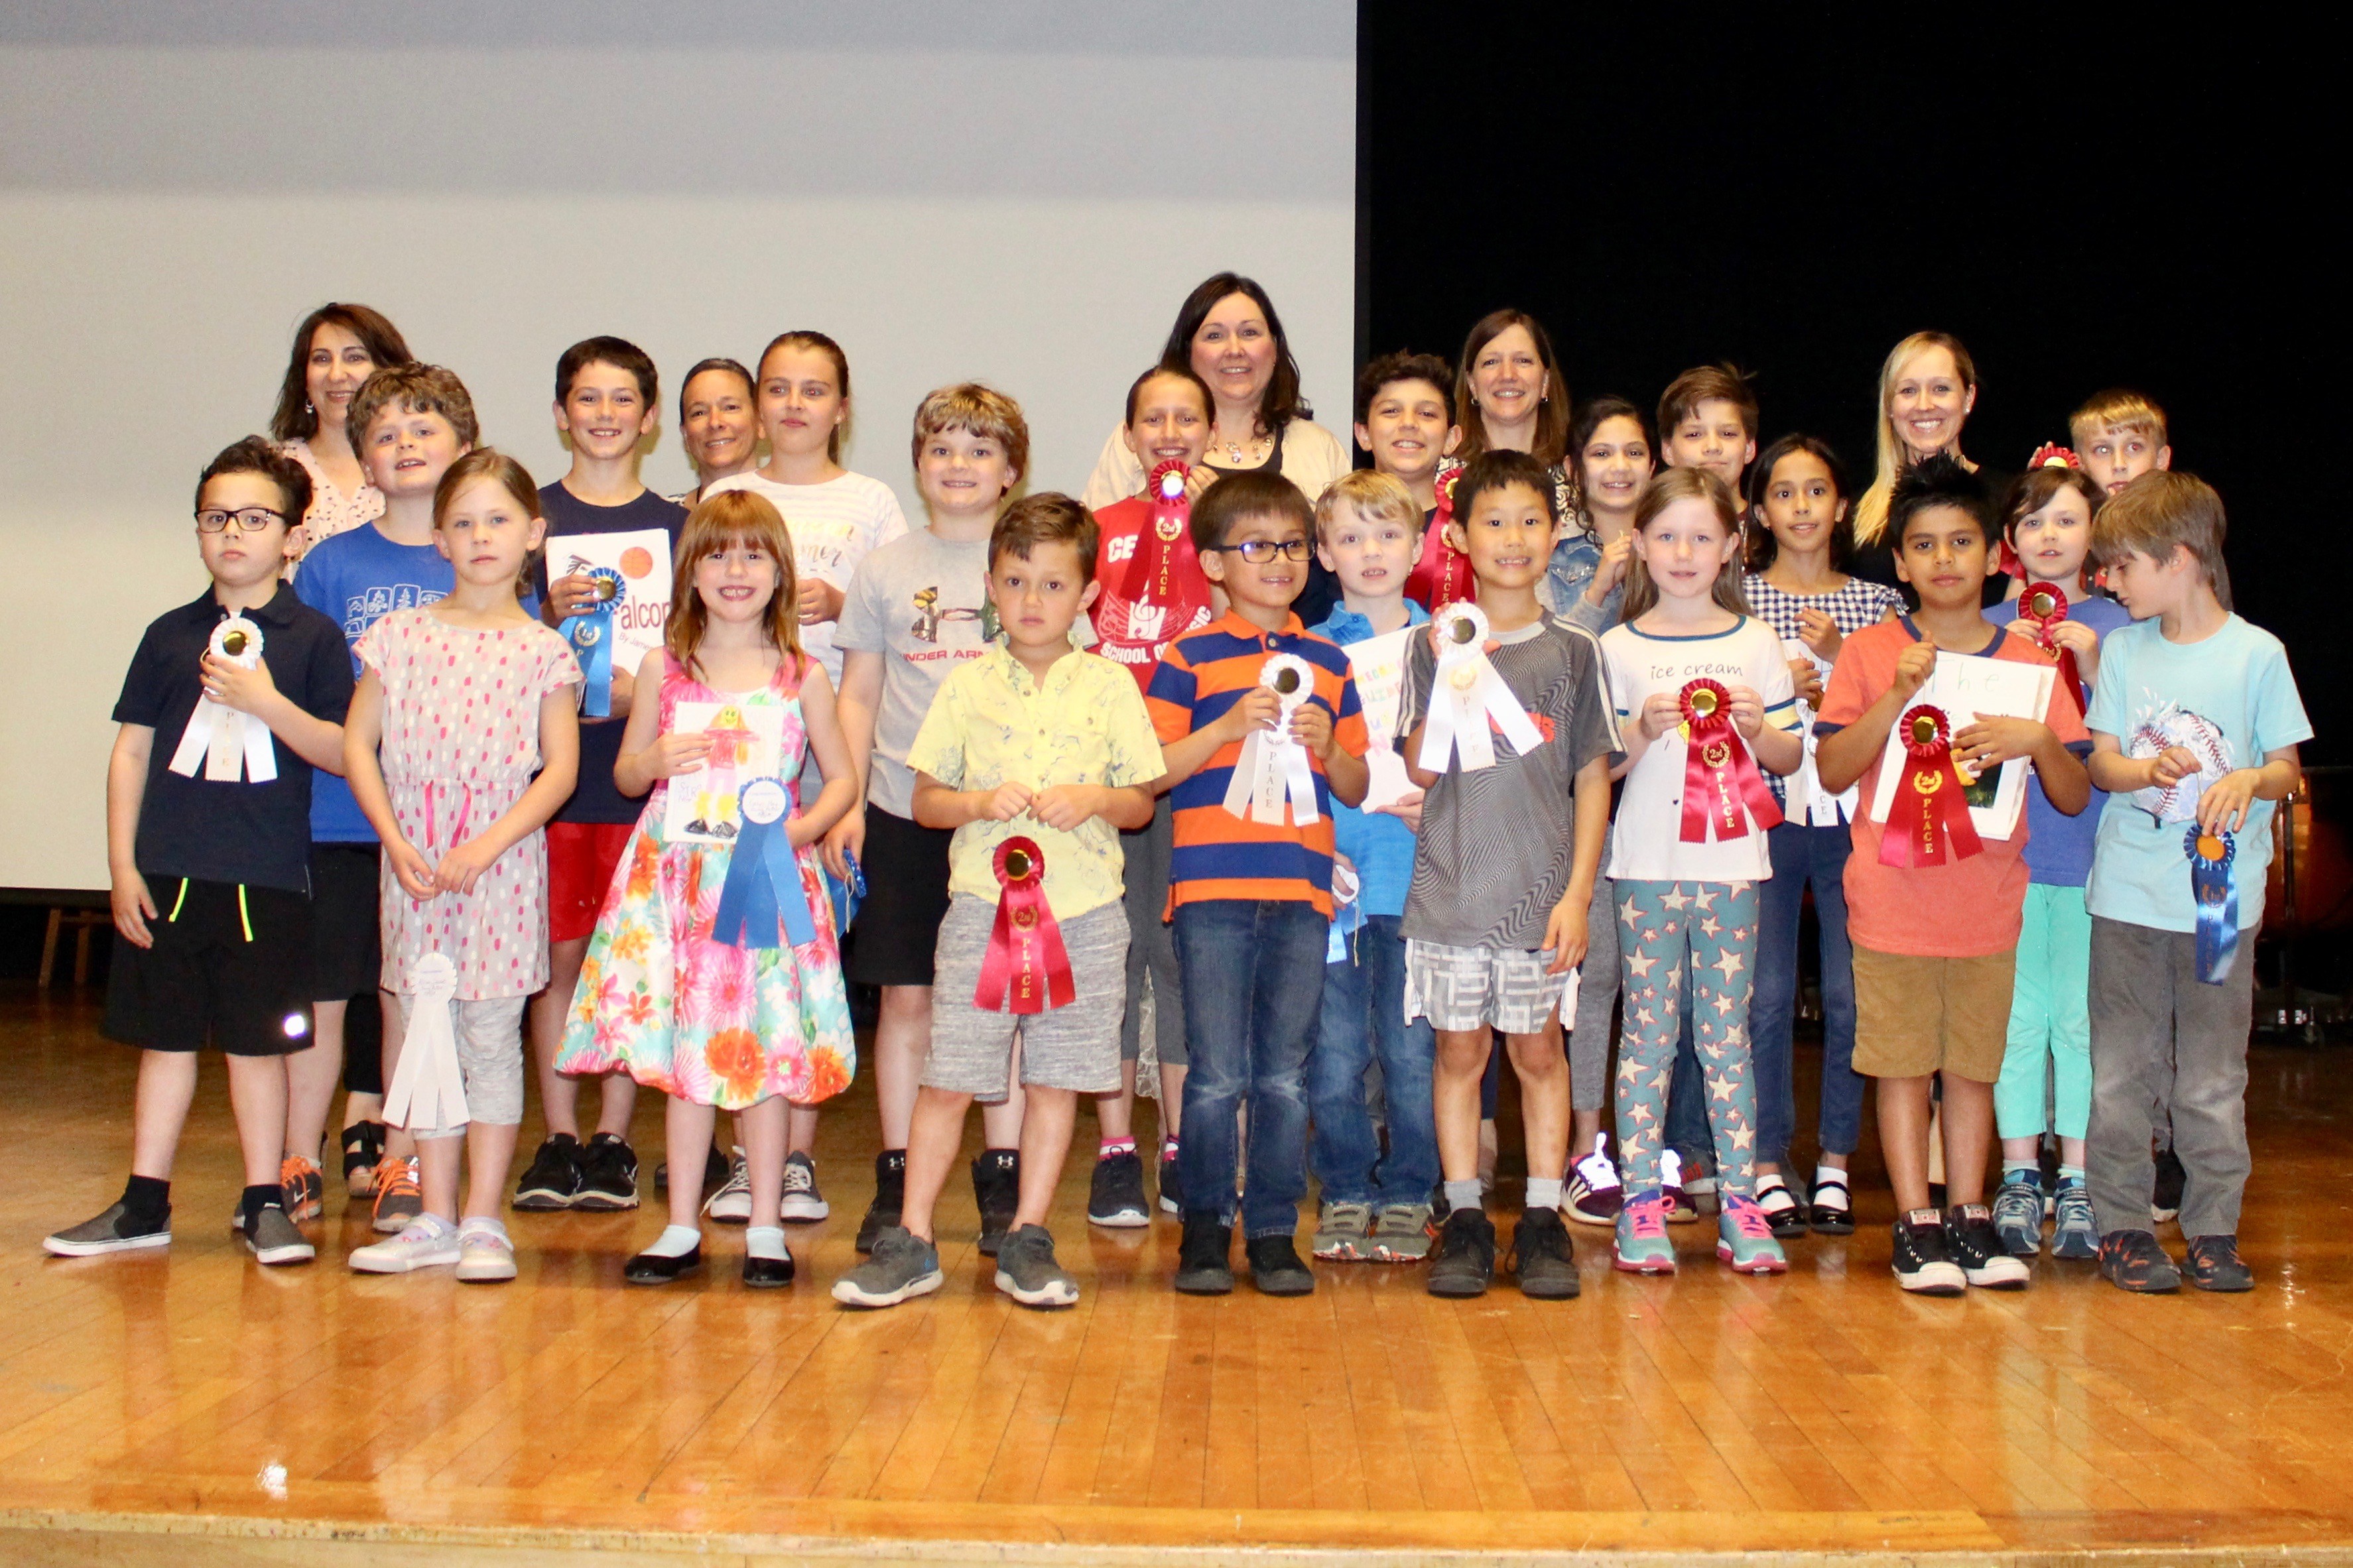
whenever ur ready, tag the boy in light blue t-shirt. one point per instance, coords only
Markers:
(2195, 722)
(1374, 1208)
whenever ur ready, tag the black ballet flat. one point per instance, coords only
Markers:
(646, 1269)
(768, 1273)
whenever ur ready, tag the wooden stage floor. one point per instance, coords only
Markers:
(193, 1409)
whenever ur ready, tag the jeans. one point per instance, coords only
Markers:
(1803, 855)
(1695, 939)
(1364, 1017)
(1253, 996)
(2147, 998)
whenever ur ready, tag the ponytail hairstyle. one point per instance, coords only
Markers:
(807, 339)
(1762, 546)
(1677, 485)
(729, 518)
(1870, 513)
(490, 463)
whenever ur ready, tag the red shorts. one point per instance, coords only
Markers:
(581, 859)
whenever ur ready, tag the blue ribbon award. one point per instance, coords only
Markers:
(2217, 895)
(763, 889)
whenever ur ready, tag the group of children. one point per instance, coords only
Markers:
(1100, 816)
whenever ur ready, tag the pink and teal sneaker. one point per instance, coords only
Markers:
(1642, 1244)
(1743, 1237)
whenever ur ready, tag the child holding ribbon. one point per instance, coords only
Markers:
(208, 840)
(460, 703)
(1704, 700)
(1934, 908)
(714, 973)
(2046, 1070)
(1036, 754)
(2195, 722)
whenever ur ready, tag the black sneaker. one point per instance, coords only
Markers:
(1275, 1269)
(889, 1196)
(1464, 1263)
(1542, 1257)
(2131, 1260)
(608, 1176)
(1987, 1263)
(553, 1180)
(2172, 1179)
(113, 1231)
(1923, 1261)
(2214, 1264)
(1205, 1258)
(996, 1189)
(1116, 1194)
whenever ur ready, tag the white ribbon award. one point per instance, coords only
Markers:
(1465, 692)
(1273, 766)
(228, 742)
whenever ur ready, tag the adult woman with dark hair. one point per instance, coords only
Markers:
(718, 424)
(1517, 400)
(1928, 389)
(337, 347)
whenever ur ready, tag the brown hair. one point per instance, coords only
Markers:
(975, 410)
(295, 419)
(1254, 492)
(1707, 384)
(255, 455)
(718, 363)
(618, 352)
(2118, 408)
(804, 339)
(1677, 485)
(1049, 517)
(1552, 414)
(1281, 402)
(413, 388)
(733, 516)
(1381, 496)
(1183, 373)
(2159, 511)
(490, 463)
(2031, 492)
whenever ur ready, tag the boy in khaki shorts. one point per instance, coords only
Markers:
(1935, 945)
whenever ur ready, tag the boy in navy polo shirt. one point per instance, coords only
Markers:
(211, 862)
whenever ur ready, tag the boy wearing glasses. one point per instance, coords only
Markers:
(208, 847)
(1253, 900)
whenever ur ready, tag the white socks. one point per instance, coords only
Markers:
(1543, 1195)
(675, 1241)
(766, 1241)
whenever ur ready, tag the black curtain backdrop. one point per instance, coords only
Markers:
(2086, 198)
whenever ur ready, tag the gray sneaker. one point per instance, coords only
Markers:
(1401, 1234)
(1344, 1232)
(2017, 1217)
(2077, 1234)
(273, 1238)
(112, 1231)
(1026, 1269)
(902, 1266)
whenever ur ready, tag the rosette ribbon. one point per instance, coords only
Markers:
(764, 878)
(1466, 695)
(428, 1086)
(1274, 767)
(1450, 570)
(1026, 969)
(2217, 895)
(1722, 788)
(227, 741)
(591, 636)
(1165, 548)
(2045, 606)
(1929, 810)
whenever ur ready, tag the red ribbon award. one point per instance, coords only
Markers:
(1165, 548)
(1928, 797)
(1722, 788)
(1026, 969)
(1443, 572)
(2045, 606)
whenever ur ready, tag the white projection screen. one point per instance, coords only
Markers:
(1017, 192)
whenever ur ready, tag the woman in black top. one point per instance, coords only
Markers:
(1927, 388)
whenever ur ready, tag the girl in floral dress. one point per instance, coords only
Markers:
(459, 703)
(716, 1025)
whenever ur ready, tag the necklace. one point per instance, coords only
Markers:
(1234, 452)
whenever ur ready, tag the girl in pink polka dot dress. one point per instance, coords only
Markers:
(459, 704)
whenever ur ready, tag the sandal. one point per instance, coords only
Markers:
(363, 1148)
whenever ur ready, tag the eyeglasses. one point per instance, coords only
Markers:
(253, 520)
(1258, 551)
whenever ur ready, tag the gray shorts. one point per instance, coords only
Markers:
(489, 1055)
(1479, 988)
(1074, 1046)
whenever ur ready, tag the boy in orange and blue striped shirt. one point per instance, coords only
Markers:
(1251, 900)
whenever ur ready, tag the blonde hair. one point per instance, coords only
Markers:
(975, 410)
(2118, 408)
(1381, 497)
(2159, 511)
(486, 463)
(733, 516)
(1677, 485)
(1871, 508)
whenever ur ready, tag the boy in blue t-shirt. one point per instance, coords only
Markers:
(2195, 721)
(2047, 519)
(408, 424)
(1368, 534)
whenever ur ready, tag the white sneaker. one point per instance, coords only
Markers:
(429, 1242)
(802, 1200)
(485, 1252)
(731, 1203)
